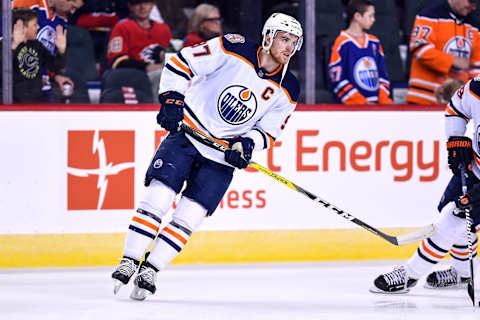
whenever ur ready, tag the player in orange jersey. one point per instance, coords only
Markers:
(444, 44)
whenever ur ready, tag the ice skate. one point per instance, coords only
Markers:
(394, 282)
(123, 272)
(144, 282)
(446, 279)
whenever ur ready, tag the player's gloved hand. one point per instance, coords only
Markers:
(240, 152)
(470, 201)
(171, 110)
(459, 152)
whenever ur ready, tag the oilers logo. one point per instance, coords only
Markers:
(459, 47)
(46, 36)
(365, 73)
(237, 104)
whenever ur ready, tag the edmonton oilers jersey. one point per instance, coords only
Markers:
(47, 21)
(228, 94)
(358, 69)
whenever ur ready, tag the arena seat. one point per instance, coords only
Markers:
(116, 79)
(387, 29)
(329, 21)
(80, 55)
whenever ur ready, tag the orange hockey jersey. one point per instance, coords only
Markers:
(439, 35)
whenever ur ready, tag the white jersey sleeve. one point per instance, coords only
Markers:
(458, 112)
(197, 61)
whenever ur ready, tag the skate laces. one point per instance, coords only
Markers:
(147, 274)
(397, 276)
(449, 276)
(126, 267)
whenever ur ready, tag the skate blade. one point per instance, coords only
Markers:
(139, 294)
(117, 284)
(374, 289)
(454, 287)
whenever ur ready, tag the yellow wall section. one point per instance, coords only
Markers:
(66, 250)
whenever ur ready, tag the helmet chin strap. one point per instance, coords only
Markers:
(267, 50)
(284, 71)
(264, 42)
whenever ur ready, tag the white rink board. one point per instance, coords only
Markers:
(34, 161)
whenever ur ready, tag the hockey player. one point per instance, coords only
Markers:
(444, 43)
(357, 68)
(238, 93)
(463, 106)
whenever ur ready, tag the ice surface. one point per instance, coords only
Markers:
(330, 290)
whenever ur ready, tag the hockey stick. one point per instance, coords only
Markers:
(473, 292)
(408, 238)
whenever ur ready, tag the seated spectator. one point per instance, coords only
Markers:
(30, 56)
(204, 25)
(357, 68)
(51, 14)
(139, 42)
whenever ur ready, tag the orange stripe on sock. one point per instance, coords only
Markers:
(146, 223)
(463, 253)
(430, 252)
(176, 235)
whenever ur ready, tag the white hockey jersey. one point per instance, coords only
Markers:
(463, 107)
(228, 94)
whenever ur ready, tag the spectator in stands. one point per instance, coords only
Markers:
(30, 56)
(357, 68)
(51, 14)
(444, 44)
(99, 17)
(205, 24)
(139, 42)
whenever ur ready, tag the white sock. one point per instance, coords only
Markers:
(173, 238)
(433, 249)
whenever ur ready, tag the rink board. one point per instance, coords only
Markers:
(71, 178)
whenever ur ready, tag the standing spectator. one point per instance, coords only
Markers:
(205, 24)
(139, 42)
(357, 68)
(444, 44)
(30, 56)
(51, 14)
